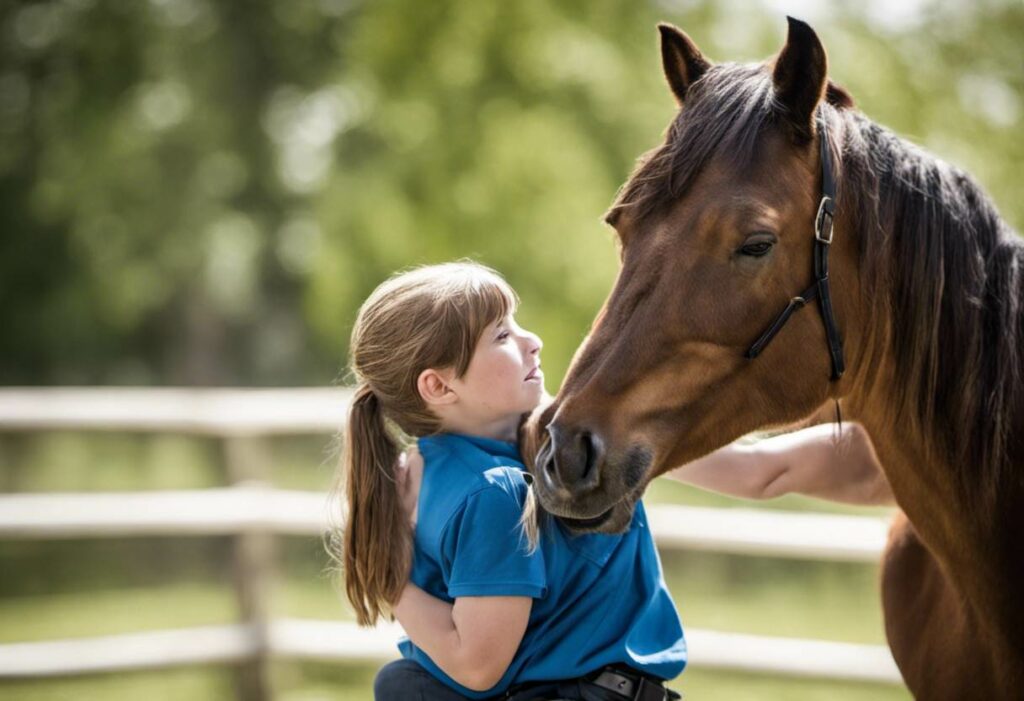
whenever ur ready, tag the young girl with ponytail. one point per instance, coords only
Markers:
(438, 356)
(440, 545)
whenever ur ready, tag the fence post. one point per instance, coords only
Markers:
(247, 459)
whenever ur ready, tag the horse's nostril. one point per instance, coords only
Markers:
(570, 460)
(549, 463)
(589, 454)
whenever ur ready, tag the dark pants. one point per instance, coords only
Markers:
(406, 680)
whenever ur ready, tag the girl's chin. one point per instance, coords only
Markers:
(528, 406)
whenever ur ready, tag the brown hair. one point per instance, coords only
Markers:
(428, 317)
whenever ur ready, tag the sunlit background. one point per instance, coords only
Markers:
(201, 193)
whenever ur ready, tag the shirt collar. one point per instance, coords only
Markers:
(491, 446)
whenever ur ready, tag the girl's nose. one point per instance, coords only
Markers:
(535, 344)
(529, 343)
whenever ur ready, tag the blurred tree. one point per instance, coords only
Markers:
(139, 187)
(202, 193)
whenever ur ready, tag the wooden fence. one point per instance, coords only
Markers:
(253, 512)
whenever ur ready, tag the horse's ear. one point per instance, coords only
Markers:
(681, 59)
(838, 96)
(800, 76)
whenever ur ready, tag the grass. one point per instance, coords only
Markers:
(193, 683)
(321, 682)
(72, 615)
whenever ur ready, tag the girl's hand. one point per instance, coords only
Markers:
(409, 474)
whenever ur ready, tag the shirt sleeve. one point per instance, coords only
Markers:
(486, 551)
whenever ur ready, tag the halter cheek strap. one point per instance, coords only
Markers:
(819, 289)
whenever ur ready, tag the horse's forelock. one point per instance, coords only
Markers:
(726, 112)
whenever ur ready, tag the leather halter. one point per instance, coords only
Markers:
(819, 289)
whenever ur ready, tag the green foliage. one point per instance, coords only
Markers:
(202, 193)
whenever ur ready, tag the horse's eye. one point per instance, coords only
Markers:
(757, 247)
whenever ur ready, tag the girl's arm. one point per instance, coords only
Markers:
(811, 461)
(473, 640)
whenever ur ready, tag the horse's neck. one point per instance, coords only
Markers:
(937, 339)
(980, 554)
(959, 485)
(925, 488)
(973, 533)
(949, 496)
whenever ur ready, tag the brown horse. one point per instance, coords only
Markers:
(717, 233)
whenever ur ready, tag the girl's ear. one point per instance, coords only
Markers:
(435, 387)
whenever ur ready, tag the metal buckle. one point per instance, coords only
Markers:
(825, 209)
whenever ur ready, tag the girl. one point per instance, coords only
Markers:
(439, 356)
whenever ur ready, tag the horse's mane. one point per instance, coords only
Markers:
(953, 269)
(937, 260)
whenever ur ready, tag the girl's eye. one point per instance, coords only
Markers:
(503, 335)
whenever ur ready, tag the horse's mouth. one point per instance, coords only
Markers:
(588, 524)
(615, 519)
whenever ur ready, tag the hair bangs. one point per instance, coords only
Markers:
(481, 298)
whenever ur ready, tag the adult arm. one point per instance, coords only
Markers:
(812, 461)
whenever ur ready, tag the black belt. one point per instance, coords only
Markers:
(632, 685)
(625, 682)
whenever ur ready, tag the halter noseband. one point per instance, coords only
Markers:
(819, 289)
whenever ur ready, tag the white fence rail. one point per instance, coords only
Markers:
(218, 412)
(235, 510)
(251, 511)
(345, 642)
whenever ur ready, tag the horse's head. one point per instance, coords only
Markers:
(716, 233)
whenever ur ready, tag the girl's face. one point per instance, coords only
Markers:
(504, 378)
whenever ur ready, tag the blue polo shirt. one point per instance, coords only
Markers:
(598, 599)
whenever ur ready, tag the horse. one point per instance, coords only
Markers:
(771, 192)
